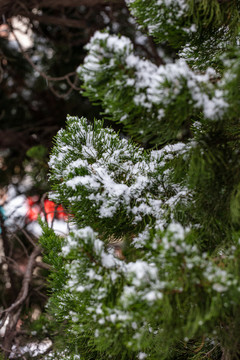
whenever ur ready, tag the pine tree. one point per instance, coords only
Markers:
(151, 267)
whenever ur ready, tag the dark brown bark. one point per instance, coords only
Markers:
(11, 315)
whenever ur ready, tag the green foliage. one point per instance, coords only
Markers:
(116, 179)
(38, 152)
(184, 21)
(36, 166)
(150, 269)
(132, 89)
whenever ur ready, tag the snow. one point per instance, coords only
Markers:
(154, 87)
(142, 356)
(114, 43)
(140, 240)
(16, 207)
(104, 186)
(178, 230)
(219, 287)
(108, 260)
(73, 239)
(61, 355)
(152, 296)
(120, 177)
(86, 180)
(141, 270)
(33, 349)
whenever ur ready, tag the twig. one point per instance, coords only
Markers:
(29, 237)
(43, 207)
(48, 78)
(45, 297)
(210, 351)
(15, 264)
(42, 265)
(201, 345)
(26, 281)
(54, 215)
(10, 331)
(21, 243)
(60, 96)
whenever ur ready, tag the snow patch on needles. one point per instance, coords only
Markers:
(117, 175)
(150, 87)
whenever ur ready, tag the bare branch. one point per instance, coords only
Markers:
(28, 237)
(54, 215)
(42, 265)
(43, 207)
(21, 243)
(26, 281)
(48, 78)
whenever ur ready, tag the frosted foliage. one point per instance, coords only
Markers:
(94, 166)
(162, 15)
(182, 22)
(180, 4)
(153, 259)
(147, 280)
(153, 87)
(115, 173)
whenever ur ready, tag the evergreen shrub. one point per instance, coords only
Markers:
(151, 267)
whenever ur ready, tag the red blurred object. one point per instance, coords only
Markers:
(34, 208)
(51, 209)
(32, 200)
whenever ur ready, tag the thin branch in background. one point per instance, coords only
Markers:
(10, 323)
(60, 96)
(54, 216)
(210, 351)
(45, 297)
(49, 79)
(21, 243)
(9, 260)
(29, 237)
(43, 207)
(26, 281)
(42, 265)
